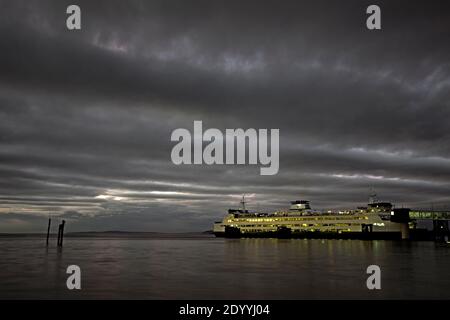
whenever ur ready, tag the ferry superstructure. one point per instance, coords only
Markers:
(379, 220)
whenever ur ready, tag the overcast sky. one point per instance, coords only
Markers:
(86, 116)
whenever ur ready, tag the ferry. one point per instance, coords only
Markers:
(378, 220)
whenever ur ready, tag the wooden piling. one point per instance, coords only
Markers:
(48, 229)
(61, 233)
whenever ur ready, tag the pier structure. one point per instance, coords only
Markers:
(440, 219)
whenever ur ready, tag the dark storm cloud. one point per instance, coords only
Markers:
(86, 116)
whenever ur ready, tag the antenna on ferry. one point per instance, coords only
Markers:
(243, 202)
(373, 196)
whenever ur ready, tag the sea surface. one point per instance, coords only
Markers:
(204, 267)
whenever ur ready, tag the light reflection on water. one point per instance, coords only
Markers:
(214, 268)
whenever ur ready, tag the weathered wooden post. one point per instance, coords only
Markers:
(61, 233)
(48, 229)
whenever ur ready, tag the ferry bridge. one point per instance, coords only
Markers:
(440, 220)
(418, 214)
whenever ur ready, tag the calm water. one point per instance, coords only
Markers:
(212, 268)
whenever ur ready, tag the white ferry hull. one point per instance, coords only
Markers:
(369, 223)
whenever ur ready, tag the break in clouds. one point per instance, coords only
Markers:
(86, 116)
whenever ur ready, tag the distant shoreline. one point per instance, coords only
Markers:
(116, 235)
